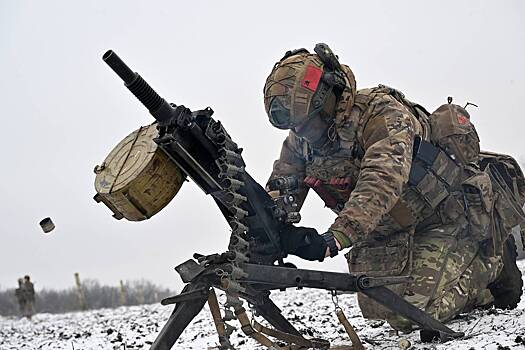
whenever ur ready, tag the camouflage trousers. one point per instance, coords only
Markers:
(28, 309)
(450, 273)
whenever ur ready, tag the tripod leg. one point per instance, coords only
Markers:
(267, 309)
(181, 316)
(394, 302)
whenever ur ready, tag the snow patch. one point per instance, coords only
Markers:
(311, 312)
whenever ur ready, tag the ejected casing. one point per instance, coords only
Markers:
(238, 243)
(237, 226)
(238, 212)
(47, 225)
(229, 170)
(231, 184)
(234, 198)
(230, 156)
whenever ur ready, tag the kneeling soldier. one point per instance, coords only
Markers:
(412, 192)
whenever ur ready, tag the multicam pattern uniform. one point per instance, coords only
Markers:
(391, 229)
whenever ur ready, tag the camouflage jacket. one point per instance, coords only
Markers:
(29, 291)
(362, 173)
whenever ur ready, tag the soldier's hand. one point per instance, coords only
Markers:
(304, 242)
(263, 252)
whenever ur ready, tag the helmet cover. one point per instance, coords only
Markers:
(291, 86)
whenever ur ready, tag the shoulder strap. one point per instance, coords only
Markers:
(419, 111)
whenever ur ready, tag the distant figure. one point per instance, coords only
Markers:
(20, 296)
(29, 295)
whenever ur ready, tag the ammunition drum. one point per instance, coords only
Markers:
(137, 179)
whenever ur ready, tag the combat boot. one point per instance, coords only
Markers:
(508, 287)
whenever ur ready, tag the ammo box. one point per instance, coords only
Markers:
(137, 179)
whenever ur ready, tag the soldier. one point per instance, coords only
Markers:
(20, 296)
(407, 187)
(29, 294)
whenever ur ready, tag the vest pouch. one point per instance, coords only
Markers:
(380, 255)
(433, 173)
(479, 203)
(454, 133)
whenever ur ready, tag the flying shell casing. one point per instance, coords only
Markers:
(47, 225)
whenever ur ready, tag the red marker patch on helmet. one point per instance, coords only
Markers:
(311, 77)
(462, 119)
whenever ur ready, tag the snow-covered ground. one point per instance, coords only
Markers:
(311, 311)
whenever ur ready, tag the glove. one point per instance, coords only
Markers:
(263, 252)
(303, 242)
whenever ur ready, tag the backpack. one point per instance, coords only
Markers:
(492, 183)
(508, 184)
(448, 127)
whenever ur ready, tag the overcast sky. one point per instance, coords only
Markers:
(63, 109)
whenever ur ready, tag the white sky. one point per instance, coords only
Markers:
(63, 109)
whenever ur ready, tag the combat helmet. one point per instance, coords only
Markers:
(301, 84)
